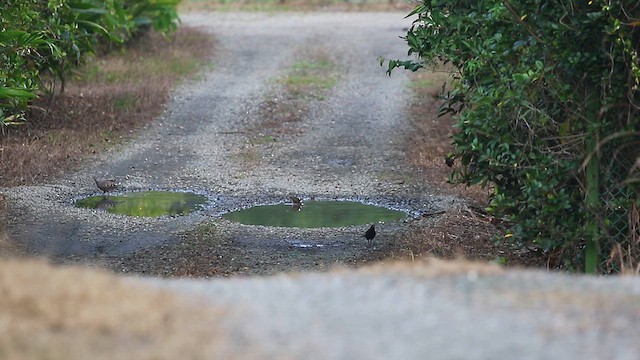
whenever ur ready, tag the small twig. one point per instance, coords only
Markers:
(432, 214)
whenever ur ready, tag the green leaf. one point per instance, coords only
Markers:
(6, 92)
(418, 9)
(95, 26)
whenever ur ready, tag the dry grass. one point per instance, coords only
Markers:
(432, 268)
(456, 233)
(428, 146)
(8, 248)
(466, 233)
(109, 99)
(625, 258)
(72, 313)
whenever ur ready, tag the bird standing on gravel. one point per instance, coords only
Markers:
(106, 185)
(371, 233)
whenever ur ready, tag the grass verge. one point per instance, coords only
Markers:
(73, 313)
(105, 102)
(431, 141)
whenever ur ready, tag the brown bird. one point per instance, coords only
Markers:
(370, 234)
(106, 185)
(296, 203)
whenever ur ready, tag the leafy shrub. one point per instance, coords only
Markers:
(51, 37)
(540, 88)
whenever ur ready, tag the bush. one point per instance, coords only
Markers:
(547, 106)
(51, 37)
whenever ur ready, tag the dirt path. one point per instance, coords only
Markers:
(345, 146)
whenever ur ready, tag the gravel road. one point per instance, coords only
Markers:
(347, 146)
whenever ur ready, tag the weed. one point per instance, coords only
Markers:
(312, 77)
(53, 138)
(124, 102)
(262, 140)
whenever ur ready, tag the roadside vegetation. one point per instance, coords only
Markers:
(468, 231)
(545, 105)
(94, 72)
(104, 101)
(43, 41)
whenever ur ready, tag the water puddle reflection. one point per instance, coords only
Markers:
(315, 214)
(146, 203)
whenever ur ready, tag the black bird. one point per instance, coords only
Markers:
(370, 234)
(449, 161)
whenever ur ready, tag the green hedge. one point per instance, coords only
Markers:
(50, 37)
(540, 90)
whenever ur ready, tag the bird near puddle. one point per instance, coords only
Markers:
(105, 185)
(370, 234)
(296, 203)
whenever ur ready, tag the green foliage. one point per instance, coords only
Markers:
(51, 37)
(539, 85)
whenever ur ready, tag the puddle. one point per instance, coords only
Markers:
(146, 203)
(315, 214)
